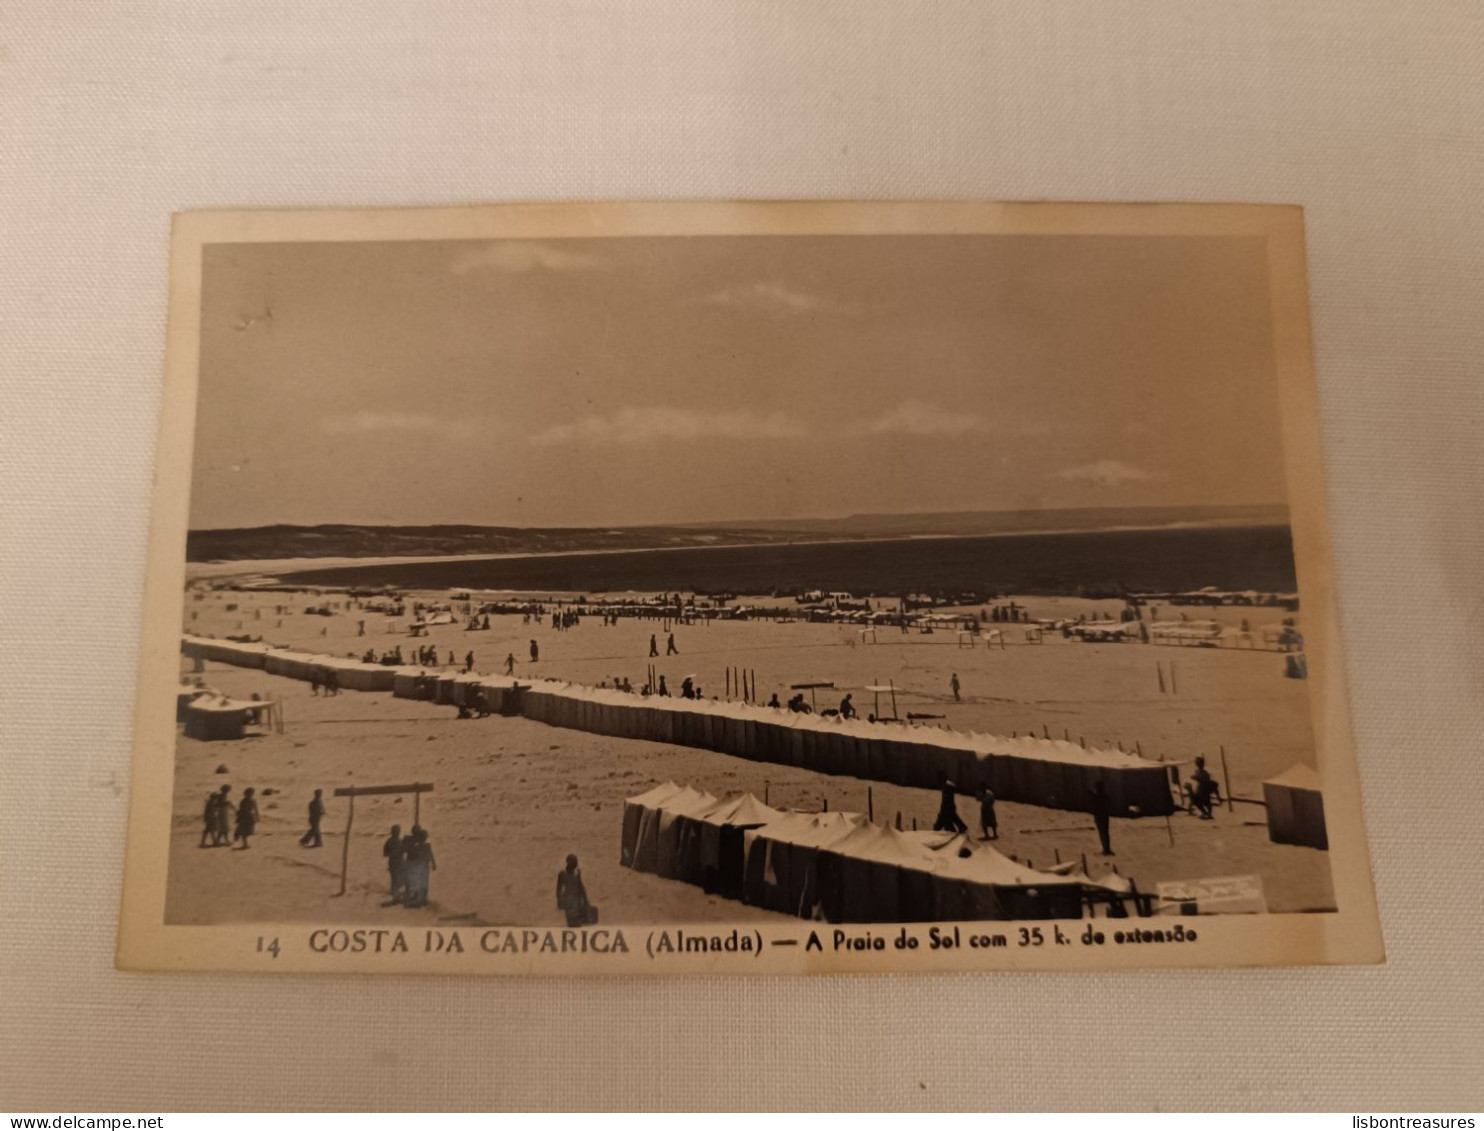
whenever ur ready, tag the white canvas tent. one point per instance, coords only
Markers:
(1296, 808)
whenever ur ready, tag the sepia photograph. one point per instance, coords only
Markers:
(742, 587)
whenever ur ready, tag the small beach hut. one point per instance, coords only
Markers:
(1296, 808)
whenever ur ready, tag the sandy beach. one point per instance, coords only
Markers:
(513, 797)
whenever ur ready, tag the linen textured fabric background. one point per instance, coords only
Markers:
(112, 116)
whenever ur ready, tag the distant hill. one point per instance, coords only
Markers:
(349, 541)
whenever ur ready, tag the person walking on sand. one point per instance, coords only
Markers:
(510, 664)
(314, 681)
(954, 684)
(847, 707)
(535, 652)
(469, 662)
(247, 818)
(571, 895)
(394, 848)
(989, 825)
(1101, 808)
(420, 863)
(670, 649)
(312, 838)
(948, 819)
(654, 645)
(208, 819)
(224, 812)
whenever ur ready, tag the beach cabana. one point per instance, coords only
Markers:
(781, 857)
(635, 812)
(213, 718)
(710, 845)
(665, 829)
(1296, 808)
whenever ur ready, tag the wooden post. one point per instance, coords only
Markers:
(1045, 732)
(729, 683)
(1159, 671)
(870, 805)
(1174, 690)
(892, 683)
(826, 804)
(1169, 828)
(1226, 782)
(767, 786)
(350, 819)
(899, 820)
(417, 809)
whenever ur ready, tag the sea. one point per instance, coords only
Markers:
(1087, 563)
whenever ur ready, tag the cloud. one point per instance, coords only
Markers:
(630, 426)
(915, 418)
(1104, 472)
(370, 422)
(520, 257)
(772, 296)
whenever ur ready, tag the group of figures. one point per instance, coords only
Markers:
(224, 823)
(410, 864)
(948, 819)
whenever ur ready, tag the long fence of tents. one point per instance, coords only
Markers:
(1048, 772)
(843, 868)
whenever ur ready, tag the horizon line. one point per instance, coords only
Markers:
(725, 522)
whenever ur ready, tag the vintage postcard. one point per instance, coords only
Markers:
(758, 587)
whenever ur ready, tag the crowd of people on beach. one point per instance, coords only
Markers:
(410, 860)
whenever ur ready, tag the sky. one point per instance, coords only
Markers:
(636, 381)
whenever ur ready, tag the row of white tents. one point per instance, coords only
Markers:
(842, 868)
(1048, 772)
